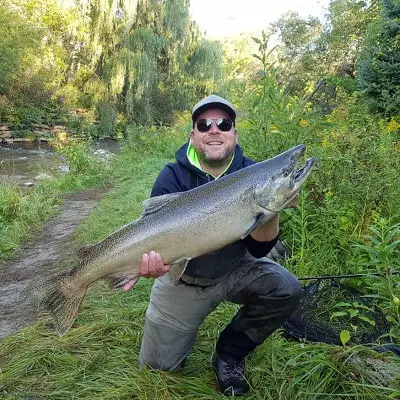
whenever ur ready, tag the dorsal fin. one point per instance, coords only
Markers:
(84, 251)
(155, 203)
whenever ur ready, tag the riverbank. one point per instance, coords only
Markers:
(48, 252)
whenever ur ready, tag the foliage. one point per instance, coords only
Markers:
(317, 59)
(382, 251)
(32, 59)
(379, 78)
(300, 52)
(273, 115)
(353, 186)
(130, 61)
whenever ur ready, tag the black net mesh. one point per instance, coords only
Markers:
(327, 307)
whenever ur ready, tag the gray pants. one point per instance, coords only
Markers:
(267, 291)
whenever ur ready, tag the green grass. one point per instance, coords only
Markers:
(98, 357)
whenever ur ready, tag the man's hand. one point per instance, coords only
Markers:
(151, 266)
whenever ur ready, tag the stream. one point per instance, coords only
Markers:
(21, 162)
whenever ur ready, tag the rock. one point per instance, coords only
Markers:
(58, 128)
(4, 128)
(40, 127)
(103, 155)
(28, 184)
(43, 177)
(62, 136)
(5, 134)
(20, 140)
(64, 168)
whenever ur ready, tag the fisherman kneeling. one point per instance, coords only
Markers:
(239, 273)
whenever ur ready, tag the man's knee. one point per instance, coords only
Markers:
(164, 348)
(287, 287)
(279, 286)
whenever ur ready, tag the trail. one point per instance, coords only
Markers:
(42, 255)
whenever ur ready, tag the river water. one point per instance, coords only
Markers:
(21, 162)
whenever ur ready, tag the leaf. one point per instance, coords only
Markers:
(257, 40)
(355, 327)
(338, 314)
(362, 306)
(366, 319)
(353, 313)
(344, 336)
(342, 304)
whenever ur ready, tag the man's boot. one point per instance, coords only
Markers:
(230, 376)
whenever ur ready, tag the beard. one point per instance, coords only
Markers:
(214, 160)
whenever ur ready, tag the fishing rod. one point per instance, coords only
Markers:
(304, 278)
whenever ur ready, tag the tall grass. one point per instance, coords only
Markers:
(21, 212)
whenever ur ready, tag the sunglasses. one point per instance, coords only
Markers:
(223, 124)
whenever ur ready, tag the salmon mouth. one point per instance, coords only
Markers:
(300, 174)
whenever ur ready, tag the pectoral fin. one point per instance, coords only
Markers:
(119, 281)
(177, 268)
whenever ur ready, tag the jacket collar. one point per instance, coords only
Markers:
(188, 157)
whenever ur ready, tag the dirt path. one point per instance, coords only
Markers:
(40, 256)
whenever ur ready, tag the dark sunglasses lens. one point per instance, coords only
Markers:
(225, 125)
(203, 125)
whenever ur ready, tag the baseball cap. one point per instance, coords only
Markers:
(213, 101)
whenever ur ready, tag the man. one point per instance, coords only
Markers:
(238, 273)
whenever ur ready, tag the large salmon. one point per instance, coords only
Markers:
(179, 226)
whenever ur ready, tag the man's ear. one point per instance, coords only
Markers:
(191, 134)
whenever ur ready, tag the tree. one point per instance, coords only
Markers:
(379, 77)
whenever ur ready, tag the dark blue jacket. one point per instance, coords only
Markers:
(181, 176)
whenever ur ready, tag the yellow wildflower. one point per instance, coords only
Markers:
(335, 134)
(324, 143)
(393, 126)
(274, 128)
(303, 122)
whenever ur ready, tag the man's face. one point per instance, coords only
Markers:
(214, 147)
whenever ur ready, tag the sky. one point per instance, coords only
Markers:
(224, 18)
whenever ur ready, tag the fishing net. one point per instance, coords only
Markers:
(328, 307)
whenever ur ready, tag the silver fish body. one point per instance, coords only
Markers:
(180, 226)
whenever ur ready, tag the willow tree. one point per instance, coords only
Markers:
(156, 67)
(166, 45)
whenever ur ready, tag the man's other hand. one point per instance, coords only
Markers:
(151, 266)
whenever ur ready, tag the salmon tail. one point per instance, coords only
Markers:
(60, 299)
